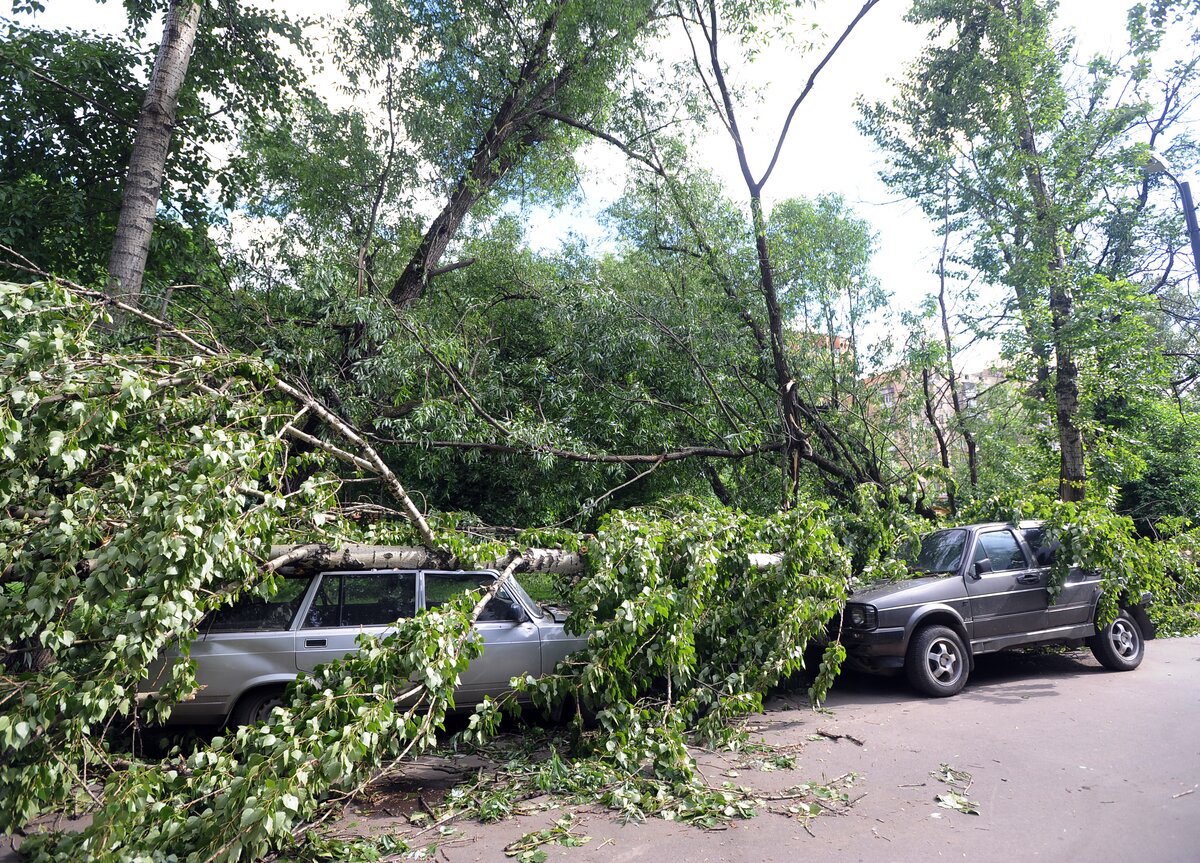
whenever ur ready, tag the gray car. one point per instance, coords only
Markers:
(248, 652)
(981, 588)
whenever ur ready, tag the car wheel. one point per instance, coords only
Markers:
(1119, 646)
(256, 706)
(937, 661)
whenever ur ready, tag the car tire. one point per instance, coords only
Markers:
(937, 662)
(570, 708)
(1120, 645)
(256, 706)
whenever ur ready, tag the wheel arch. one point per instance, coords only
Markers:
(940, 615)
(1136, 610)
(1148, 627)
(255, 685)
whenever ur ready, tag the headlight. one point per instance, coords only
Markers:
(861, 616)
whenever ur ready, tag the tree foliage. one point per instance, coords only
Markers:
(139, 491)
(1039, 170)
(366, 302)
(69, 105)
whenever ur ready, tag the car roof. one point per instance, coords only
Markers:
(1027, 524)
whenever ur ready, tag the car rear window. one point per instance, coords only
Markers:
(254, 613)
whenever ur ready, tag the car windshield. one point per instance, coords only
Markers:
(940, 552)
(519, 591)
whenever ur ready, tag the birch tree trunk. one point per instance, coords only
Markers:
(152, 141)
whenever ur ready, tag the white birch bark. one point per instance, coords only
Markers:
(152, 141)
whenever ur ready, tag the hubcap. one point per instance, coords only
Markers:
(263, 713)
(1124, 640)
(943, 661)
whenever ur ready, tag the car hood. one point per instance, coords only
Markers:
(927, 587)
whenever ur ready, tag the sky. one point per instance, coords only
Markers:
(824, 151)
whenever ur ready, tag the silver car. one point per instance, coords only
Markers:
(248, 652)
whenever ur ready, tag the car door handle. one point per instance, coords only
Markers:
(314, 642)
(1030, 578)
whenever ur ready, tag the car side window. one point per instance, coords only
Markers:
(443, 586)
(363, 599)
(1002, 549)
(254, 613)
(326, 605)
(1043, 552)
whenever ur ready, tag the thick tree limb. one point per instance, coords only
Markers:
(318, 558)
(494, 156)
(143, 181)
(323, 558)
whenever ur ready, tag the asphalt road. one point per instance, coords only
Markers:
(1069, 762)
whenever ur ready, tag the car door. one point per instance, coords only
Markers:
(511, 641)
(1076, 603)
(345, 605)
(1006, 591)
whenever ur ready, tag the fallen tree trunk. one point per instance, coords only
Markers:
(304, 559)
(323, 558)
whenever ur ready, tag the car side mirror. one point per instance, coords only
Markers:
(516, 611)
(982, 567)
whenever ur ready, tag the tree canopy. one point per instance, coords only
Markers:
(703, 430)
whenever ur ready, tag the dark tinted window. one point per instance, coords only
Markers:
(1002, 549)
(363, 599)
(253, 613)
(440, 587)
(326, 605)
(1036, 539)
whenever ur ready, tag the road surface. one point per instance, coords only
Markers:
(1069, 762)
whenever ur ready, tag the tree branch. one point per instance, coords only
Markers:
(592, 458)
(812, 79)
(368, 454)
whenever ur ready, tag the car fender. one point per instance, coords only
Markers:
(939, 613)
(258, 683)
(1136, 610)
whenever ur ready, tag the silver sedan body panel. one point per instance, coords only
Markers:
(557, 644)
(229, 664)
(306, 631)
(509, 650)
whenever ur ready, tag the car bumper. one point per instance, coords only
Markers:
(875, 650)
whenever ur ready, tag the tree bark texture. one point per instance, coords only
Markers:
(151, 144)
(321, 558)
(305, 559)
(1072, 476)
(518, 123)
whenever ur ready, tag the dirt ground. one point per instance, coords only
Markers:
(1067, 762)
